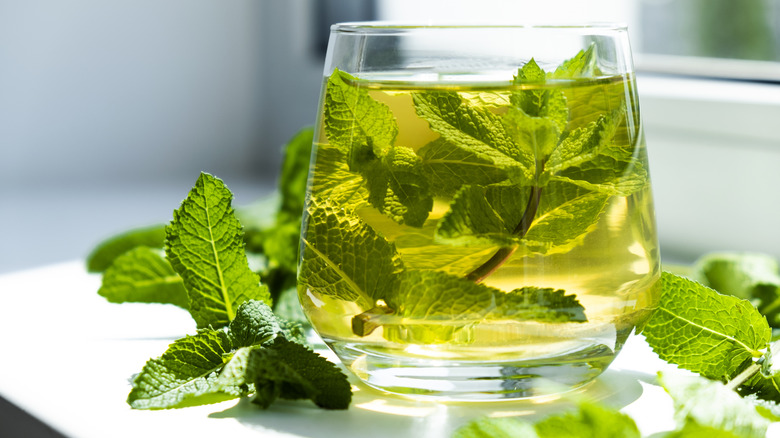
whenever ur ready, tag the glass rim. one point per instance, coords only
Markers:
(372, 27)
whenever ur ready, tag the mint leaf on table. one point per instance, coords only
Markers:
(211, 366)
(344, 258)
(185, 375)
(142, 275)
(703, 331)
(104, 254)
(754, 277)
(204, 244)
(364, 130)
(476, 131)
(499, 427)
(284, 369)
(702, 404)
(589, 421)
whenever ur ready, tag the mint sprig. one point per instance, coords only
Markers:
(205, 246)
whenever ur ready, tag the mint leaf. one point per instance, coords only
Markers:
(703, 331)
(755, 277)
(589, 421)
(583, 64)
(142, 275)
(333, 180)
(490, 214)
(704, 403)
(499, 427)
(205, 246)
(255, 323)
(210, 366)
(566, 214)
(365, 130)
(481, 214)
(185, 375)
(539, 102)
(104, 254)
(353, 119)
(537, 136)
(476, 131)
(344, 258)
(448, 167)
(397, 187)
(432, 306)
(292, 371)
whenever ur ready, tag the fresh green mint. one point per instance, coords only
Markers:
(143, 275)
(205, 246)
(107, 251)
(588, 421)
(241, 347)
(364, 130)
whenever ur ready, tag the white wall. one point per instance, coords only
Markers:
(95, 90)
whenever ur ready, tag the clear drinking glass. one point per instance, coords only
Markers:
(479, 221)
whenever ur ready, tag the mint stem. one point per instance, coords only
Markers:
(503, 254)
(734, 383)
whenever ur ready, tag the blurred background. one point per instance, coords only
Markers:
(109, 110)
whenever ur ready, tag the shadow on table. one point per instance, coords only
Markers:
(377, 414)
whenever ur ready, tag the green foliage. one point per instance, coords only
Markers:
(289, 370)
(104, 254)
(217, 365)
(143, 275)
(589, 421)
(500, 427)
(204, 244)
(702, 404)
(754, 277)
(705, 332)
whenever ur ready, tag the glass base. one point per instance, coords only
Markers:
(450, 380)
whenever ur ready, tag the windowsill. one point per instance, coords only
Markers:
(714, 149)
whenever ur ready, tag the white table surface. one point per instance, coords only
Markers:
(67, 355)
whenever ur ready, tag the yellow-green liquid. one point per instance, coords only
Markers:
(613, 269)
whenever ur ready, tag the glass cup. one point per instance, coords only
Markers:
(479, 221)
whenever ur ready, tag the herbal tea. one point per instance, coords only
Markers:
(501, 225)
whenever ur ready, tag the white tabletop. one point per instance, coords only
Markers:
(67, 355)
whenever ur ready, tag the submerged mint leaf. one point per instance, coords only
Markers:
(476, 131)
(539, 103)
(499, 427)
(142, 275)
(566, 213)
(205, 246)
(432, 306)
(702, 403)
(583, 64)
(703, 331)
(353, 119)
(397, 187)
(448, 168)
(755, 277)
(288, 370)
(345, 258)
(185, 375)
(589, 421)
(333, 180)
(104, 254)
